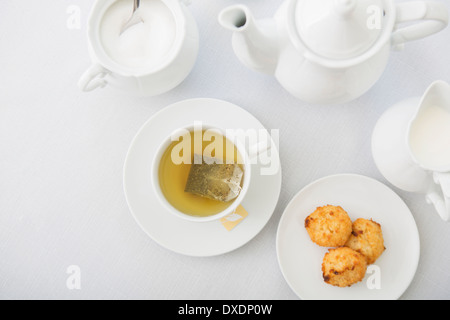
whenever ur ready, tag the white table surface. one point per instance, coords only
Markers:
(62, 153)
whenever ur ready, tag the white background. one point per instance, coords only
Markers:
(62, 154)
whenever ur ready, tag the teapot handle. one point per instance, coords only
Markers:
(434, 18)
(442, 205)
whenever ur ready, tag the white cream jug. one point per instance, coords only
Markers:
(411, 146)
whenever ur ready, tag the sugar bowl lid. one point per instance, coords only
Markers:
(339, 29)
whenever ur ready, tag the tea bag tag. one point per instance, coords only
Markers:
(233, 220)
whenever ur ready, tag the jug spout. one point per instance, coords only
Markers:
(438, 94)
(255, 43)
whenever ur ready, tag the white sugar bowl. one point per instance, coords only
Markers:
(147, 59)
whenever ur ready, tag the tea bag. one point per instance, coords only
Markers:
(221, 182)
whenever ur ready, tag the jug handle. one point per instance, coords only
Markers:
(93, 78)
(442, 205)
(434, 17)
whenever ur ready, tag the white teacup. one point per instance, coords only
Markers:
(169, 69)
(248, 156)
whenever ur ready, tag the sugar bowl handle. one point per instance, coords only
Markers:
(93, 78)
(433, 17)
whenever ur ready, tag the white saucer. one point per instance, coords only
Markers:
(301, 260)
(184, 237)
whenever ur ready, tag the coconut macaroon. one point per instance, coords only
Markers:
(367, 239)
(329, 226)
(343, 267)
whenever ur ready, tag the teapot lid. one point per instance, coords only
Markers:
(339, 29)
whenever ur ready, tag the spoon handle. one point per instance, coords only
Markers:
(136, 4)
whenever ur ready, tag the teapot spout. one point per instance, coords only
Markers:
(255, 43)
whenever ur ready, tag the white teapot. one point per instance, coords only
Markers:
(411, 146)
(329, 51)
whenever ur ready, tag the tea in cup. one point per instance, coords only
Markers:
(202, 174)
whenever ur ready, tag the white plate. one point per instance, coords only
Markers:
(301, 260)
(184, 237)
